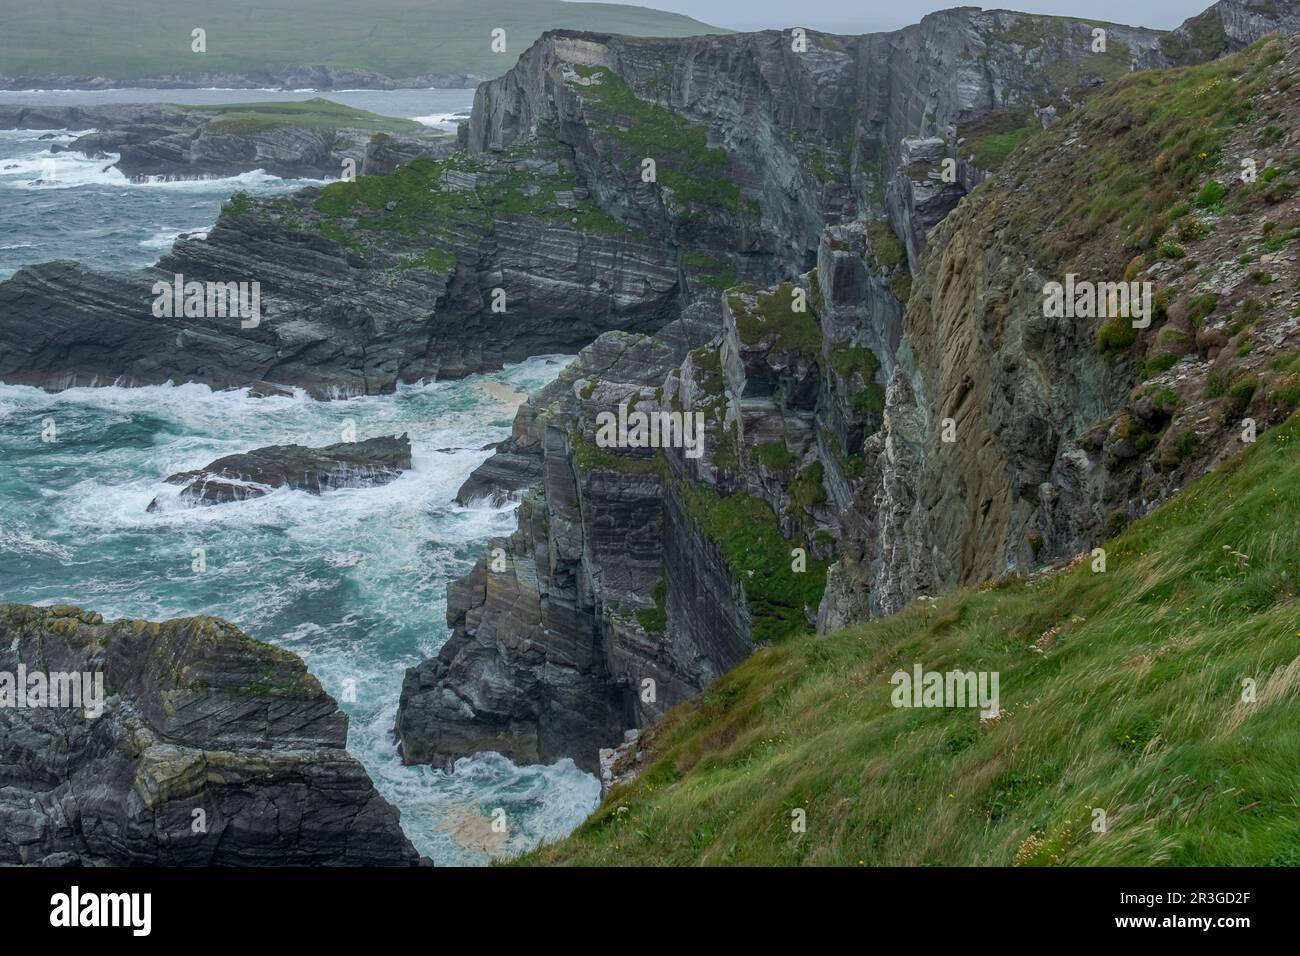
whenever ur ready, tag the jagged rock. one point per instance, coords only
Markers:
(802, 142)
(212, 749)
(1054, 440)
(333, 320)
(525, 672)
(907, 512)
(1229, 26)
(375, 461)
(502, 477)
(833, 421)
(622, 764)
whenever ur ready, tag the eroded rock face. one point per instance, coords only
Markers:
(619, 595)
(212, 749)
(758, 149)
(834, 419)
(1229, 26)
(825, 424)
(526, 671)
(375, 461)
(337, 318)
(1012, 438)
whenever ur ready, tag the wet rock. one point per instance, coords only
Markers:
(211, 749)
(375, 461)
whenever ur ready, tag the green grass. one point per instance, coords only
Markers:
(315, 113)
(746, 530)
(684, 161)
(718, 276)
(888, 248)
(991, 151)
(589, 457)
(1156, 142)
(430, 213)
(1115, 335)
(1121, 690)
(760, 313)
(774, 455)
(655, 619)
(127, 39)
(850, 359)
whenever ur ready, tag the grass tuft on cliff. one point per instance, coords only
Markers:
(1155, 140)
(1120, 691)
(685, 162)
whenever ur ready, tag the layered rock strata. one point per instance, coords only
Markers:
(208, 749)
(922, 424)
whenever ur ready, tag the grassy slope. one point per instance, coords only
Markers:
(123, 39)
(311, 114)
(1121, 690)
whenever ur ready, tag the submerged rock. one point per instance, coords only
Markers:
(375, 461)
(206, 748)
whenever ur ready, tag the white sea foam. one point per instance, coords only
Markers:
(73, 170)
(41, 135)
(70, 170)
(354, 580)
(167, 237)
(447, 121)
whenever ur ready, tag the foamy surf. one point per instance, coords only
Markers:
(446, 121)
(353, 580)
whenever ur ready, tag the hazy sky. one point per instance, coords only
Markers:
(865, 16)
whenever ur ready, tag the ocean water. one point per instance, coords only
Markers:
(84, 209)
(353, 581)
(432, 107)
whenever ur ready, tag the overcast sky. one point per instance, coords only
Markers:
(865, 16)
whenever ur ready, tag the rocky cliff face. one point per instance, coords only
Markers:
(553, 227)
(211, 749)
(829, 425)
(442, 269)
(887, 409)
(1012, 436)
(526, 672)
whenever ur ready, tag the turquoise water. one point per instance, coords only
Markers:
(353, 581)
(90, 212)
(84, 209)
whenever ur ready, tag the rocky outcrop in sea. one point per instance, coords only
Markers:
(206, 748)
(157, 141)
(375, 461)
